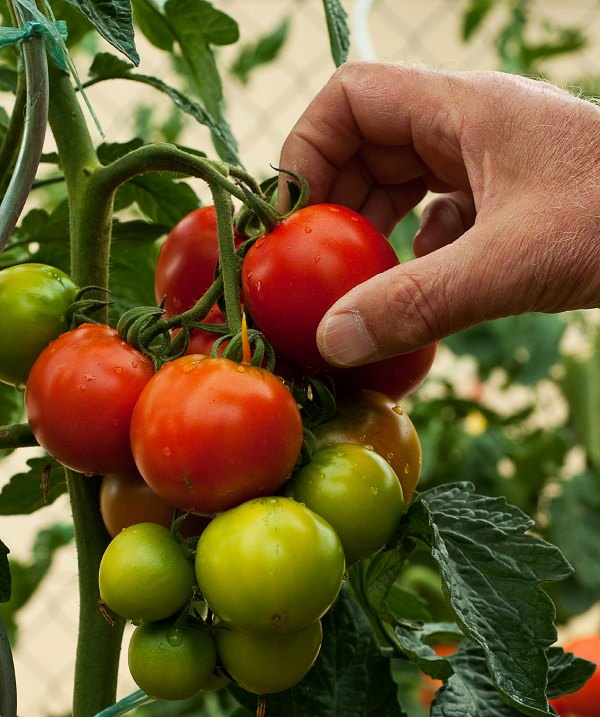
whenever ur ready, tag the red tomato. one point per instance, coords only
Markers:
(187, 261)
(586, 701)
(79, 397)
(395, 377)
(209, 433)
(202, 341)
(291, 276)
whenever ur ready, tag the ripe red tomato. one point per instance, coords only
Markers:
(187, 261)
(209, 433)
(396, 376)
(202, 341)
(586, 701)
(292, 275)
(80, 395)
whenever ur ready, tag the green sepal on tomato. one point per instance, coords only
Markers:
(209, 433)
(80, 395)
(34, 301)
(292, 275)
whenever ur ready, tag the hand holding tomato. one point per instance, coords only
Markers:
(513, 231)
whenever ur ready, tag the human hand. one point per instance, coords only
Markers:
(517, 227)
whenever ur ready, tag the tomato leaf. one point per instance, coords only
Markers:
(491, 569)
(153, 24)
(106, 67)
(351, 677)
(574, 526)
(5, 577)
(339, 33)
(11, 404)
(567, 672)
(40, 485)
(113, 20)
(264, 50)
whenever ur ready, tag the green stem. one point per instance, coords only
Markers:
(98, 645)
(16, 436)
(99, 642)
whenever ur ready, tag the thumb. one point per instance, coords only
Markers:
(425, 299)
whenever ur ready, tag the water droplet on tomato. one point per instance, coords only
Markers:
(398, 409)
(118, 369)
(166, 451)
(175, 636)
(89, 377)
(241, 369)
(406, 469)
(374, 490)
(134, 364)
(308, 230)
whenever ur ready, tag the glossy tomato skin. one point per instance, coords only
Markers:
(187, 261)
(171, 662)
(371, 418)
(357, 492)
(269, 565)
(396, 377)
(265, 664)
(34, 299)
(126, 499)
(292, 275)
(586, 701)
(79, 397)
(209, 433)
(144, 574)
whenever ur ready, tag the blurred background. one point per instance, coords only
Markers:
(511, 406)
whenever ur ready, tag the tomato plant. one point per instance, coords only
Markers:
(372, 419)
(171, 661)
(209, 433)
(269, 565)
(80, 395)
(357, 492)
(34, 299)
(584, 702)
(293, 274)
(144, 573)
(187, 261)
(265, 664)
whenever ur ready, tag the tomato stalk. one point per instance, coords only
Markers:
(16, 436)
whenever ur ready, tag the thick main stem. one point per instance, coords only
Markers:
(99, 643)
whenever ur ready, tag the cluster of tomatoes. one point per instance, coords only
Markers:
(234, 588)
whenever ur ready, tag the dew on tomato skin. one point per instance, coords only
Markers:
(166, 451)
(118, 369)
(174, 636)
(374, 490)
(241, 369)
(134, 364)
(406, 469)
(308, 230)
(398, 409)
(389, 456)
(89, 377)
(20, 387)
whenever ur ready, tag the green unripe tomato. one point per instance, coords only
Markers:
(356, 491)
(34, 299)
(269, 565)
(170, 662)
(264, 664)
(144, 574)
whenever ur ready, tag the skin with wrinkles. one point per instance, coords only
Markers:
(516, 225)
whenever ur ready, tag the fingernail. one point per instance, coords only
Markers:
(345, 340)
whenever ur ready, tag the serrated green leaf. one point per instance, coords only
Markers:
(491, 569)
(567, 672)
(339, 32)
(161, 199)
(40, 485)
(5, 576)
(113, 20)
(264, 50)
(416, 640)
(350, 676)
(574, 527)
(104, 67)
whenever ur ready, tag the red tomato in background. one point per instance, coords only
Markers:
(210, 433)
(292, 275)
(429, 685)
(187, 261)
(395, 377)
(586, 701)
(79, 397)
(202, 341)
